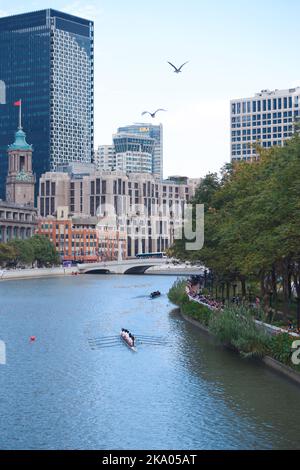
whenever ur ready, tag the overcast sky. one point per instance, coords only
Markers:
(235, 48)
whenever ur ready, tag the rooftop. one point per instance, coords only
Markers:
(20, 141)
(11, 205)
(271, 93)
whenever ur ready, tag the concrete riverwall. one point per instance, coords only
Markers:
(36, 273)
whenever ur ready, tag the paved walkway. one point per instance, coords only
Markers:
(11, 274)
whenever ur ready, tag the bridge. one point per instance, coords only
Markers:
(131, 266)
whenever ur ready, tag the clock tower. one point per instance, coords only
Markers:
(20, 179)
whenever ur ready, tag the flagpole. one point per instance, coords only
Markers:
(20, 115)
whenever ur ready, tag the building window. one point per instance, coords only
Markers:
(92, 205)
(98, 186)
(53, 189)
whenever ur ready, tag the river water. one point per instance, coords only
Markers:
(57, 393)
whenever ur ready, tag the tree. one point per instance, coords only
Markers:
(24, 252)
(7, 254)
(44, 251)
(252, 223)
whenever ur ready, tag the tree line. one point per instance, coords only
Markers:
(252, 225)
(37, 250)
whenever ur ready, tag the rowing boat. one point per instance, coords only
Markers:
(133, 348)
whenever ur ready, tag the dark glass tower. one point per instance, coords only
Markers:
(47, 60)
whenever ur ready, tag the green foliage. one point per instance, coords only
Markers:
(280, 348)
(25, 252)
(7, 253)
(177, 294)
(236, 328)
(44, 251)
(252, 222)
(197, 311)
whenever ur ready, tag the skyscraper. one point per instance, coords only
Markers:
(47, 60)
(133, 152)
(266, 119)
(154, 132)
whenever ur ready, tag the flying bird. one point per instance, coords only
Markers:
(177, 69)
(153, 114)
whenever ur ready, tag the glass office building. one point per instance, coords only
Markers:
(133, 152)
(154, 132)
(266, 119)
(47, 60)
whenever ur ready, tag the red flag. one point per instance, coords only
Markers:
(17, 103)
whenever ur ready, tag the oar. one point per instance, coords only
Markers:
(154, 339)
(149, 336)
(106, 346)
(107, 337)
(154, 342)
(115, 341)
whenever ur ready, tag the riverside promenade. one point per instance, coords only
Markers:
(35, 273)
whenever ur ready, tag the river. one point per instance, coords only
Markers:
(58, 393)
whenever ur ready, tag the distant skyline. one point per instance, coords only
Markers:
(234, 49)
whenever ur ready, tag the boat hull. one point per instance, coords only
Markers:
(132, 348)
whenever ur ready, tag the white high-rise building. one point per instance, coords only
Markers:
(154, 131)
(105, 158)
(137, 148)
(134, 152)
(266, 119)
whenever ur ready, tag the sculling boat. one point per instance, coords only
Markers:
(128, 344)
(154, 294)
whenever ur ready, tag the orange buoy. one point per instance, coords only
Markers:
(32, 338)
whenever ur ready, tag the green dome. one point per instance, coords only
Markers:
(20, 141)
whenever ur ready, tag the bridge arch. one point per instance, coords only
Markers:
(137, 269)
(97, 271)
